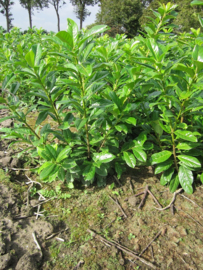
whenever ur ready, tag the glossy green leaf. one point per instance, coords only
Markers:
(37, 50)
(89, 172)
(51, 151)
(116, 100)
(48, 171)
(186, 135)
(141, 139)
(163, 166)
(129, 159)
(160, 157)
(186, 179)
(41, 117)
(63, 154)
(104, 157)
(30, 58)
(174, 183)
(2, 100)
(190, 161)
(166, 176)
(102, 171)
(196, 2)
(61, 174)
(201, 177)
(8, 80)
(131, 120)
(122, 127)
(140, 154)
(197, 53)
(66, 37)
(118, 169)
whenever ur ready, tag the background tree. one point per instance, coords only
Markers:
(31, 4)
(5, 9)
(185, 19)
(121, 15)
(57, 4)
(81, 10)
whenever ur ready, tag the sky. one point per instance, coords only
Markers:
(47, 17)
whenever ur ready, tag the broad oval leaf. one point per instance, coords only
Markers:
(190, 161)
(129, 159)
(104, 157)
(174, 183)
(163, 166)
(48, 171)
(63, 154)
(166, 176)
(89, 172)
(61, 174)
(65, 37)
(186, 135)
(160, 157)
(186, 179)
(140, 154)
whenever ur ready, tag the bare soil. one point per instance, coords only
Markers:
(61, 237)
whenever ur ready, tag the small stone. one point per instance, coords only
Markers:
(26, 262)
(5, 261)
(15, 163)
(7, 123)
(5, 161)
(133, 201)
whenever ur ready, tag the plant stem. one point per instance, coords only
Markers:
(174, 148)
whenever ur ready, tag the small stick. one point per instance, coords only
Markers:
(190, 200)
(157, 235)
(19, 169)
(43, 202)
(121, 248)
(131, 187)
(152, 252)
(60, 239)
(54, 234)
(35, 240)
(117, 203)
(143, 199)
(117, 180)
(154, 198)
(174, 197)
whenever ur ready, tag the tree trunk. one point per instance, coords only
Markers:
(58, 19)
(80, 22)
(7, 20)
(30, 16)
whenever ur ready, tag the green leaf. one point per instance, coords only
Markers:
(131, 120)
(41, 117)
(118, 169)
(30, 58)
(201, 178)
(2, 100)
(140, 154)
(187, 146)
(197, 53)
(196, 2)
(186, 135)
(166, 176)
(104, 157)
(190, 161)
(61, 174)
(51, 151)
(200, 20)
(96, 30)
(122, 127)
(174, 183)
(63, 154)
(65, 37)
(141, 138)
(8, 80)
(186, 179)
(163, 166)
(74, 29)
(102, 171)
(48, 171)
(116, 100)
(37, 50)
(89, 172)
(129, 159)
(160, 157)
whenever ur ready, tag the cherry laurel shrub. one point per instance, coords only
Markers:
(103, 103)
